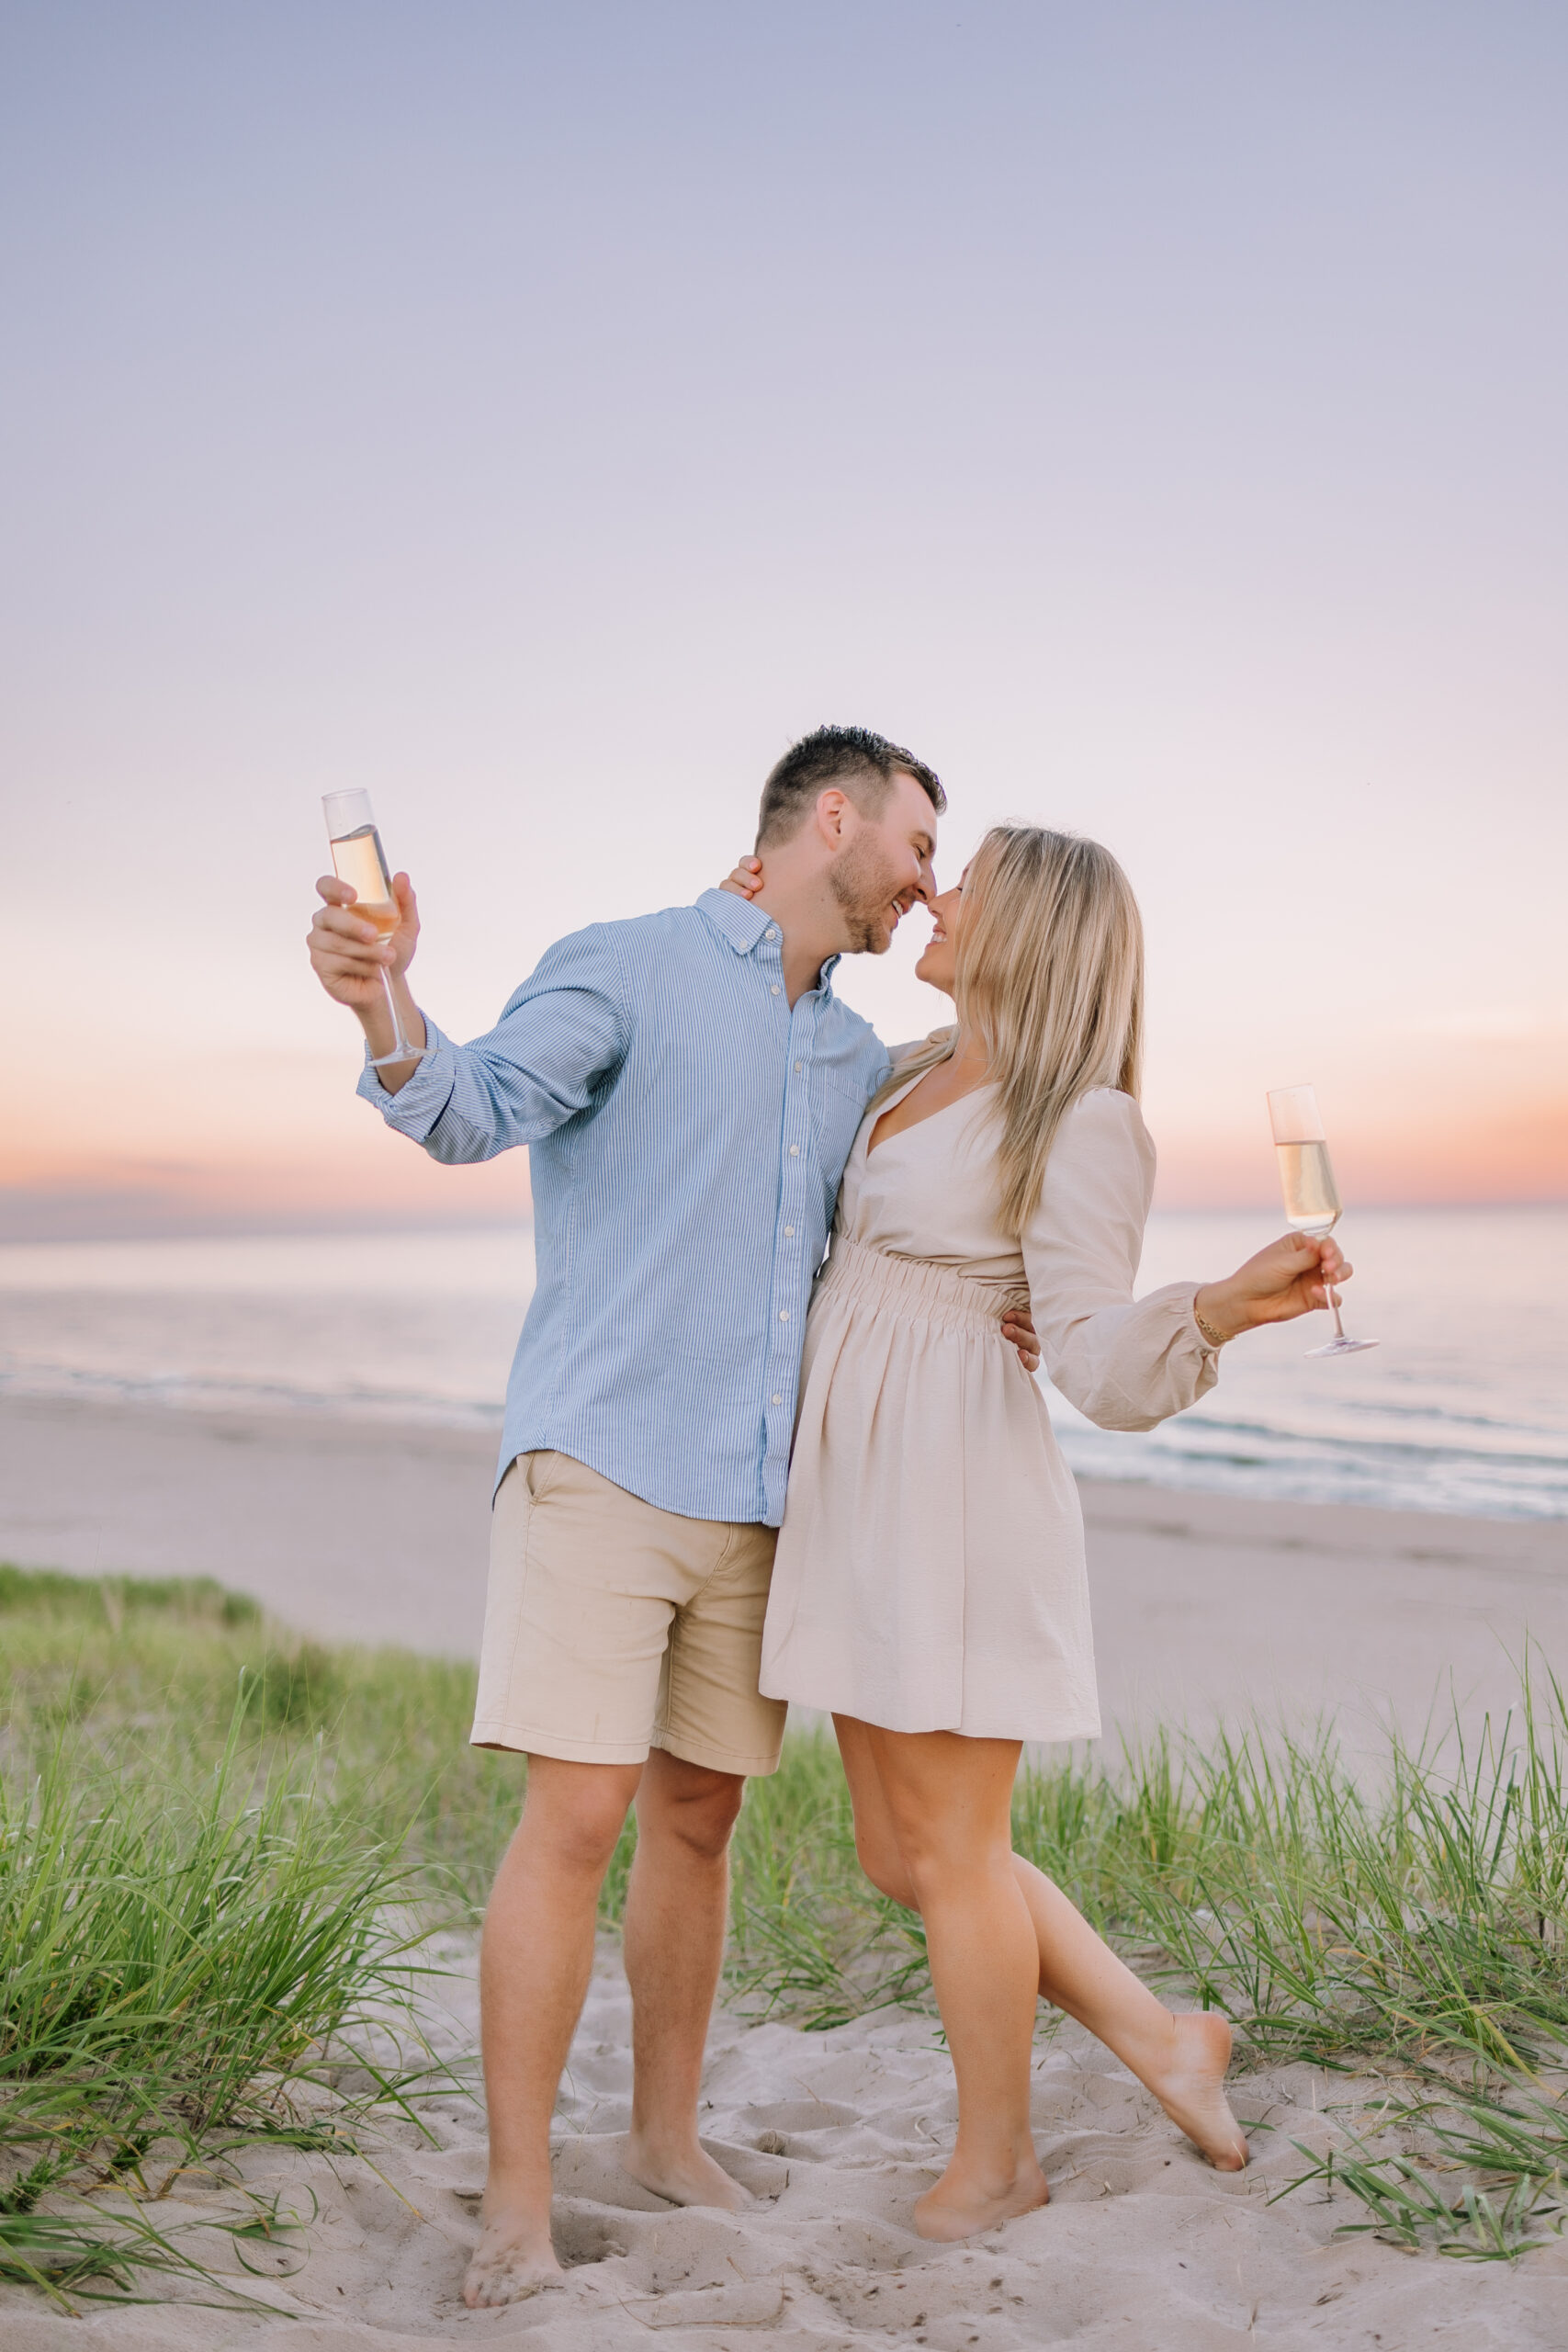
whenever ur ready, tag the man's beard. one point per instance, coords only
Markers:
(865, 885)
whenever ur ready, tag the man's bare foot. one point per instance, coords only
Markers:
(687, 2175)
(960, 2205)
(1191, 2089)
(514, 2258)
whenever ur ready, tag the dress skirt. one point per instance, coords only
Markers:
(929, 1573)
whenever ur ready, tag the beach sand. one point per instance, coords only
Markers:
(372, 1530)
(1142, 2248)
(1202, 1605)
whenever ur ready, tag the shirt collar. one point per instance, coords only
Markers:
(735, 919)
(744, 925)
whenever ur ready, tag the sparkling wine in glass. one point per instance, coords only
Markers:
(1306, 1177)
(359, 860)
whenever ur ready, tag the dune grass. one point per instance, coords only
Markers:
(135, 1661)
(216, 1842)
(1426, 1920)
(209, 1902)
(1410, 1921)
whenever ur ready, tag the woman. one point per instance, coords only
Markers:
(930, 1589)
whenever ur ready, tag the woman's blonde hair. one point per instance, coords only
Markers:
(1050, 973)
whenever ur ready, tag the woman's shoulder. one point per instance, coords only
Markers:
(1105, 1114)
(1100, 1172)
(939, 1038)
(1101, 1144)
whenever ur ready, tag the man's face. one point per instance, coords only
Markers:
(884, 867)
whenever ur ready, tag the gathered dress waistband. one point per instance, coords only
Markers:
(915, 1290)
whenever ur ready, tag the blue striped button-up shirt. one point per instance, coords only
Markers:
(688, 1131)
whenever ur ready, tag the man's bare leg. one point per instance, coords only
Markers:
(677, 1906)
(535, 1963)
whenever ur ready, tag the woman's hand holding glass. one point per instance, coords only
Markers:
(1293, 1276)
(1306, 1177)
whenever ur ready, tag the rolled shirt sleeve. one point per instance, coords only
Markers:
(1126, 1363)
(560, 1040)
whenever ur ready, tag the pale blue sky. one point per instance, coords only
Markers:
(1152, 414)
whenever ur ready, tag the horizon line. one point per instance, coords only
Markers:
(217, 1227)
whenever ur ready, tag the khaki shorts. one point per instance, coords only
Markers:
(612, 1627)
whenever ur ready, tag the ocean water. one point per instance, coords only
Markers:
(1463, 1407)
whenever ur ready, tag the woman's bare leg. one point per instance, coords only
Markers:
(951, 1804)
(1182, 2060)
(877, 1841)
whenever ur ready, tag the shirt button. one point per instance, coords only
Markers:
(775, 988)
(783, 1315)
(798, 1068)
(789, 1233)
(778, 1400)
(794, 1152)
(770, 934)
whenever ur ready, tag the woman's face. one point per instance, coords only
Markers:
(938, 964)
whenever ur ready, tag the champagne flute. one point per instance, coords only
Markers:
(1312, 1196)
(359, 860)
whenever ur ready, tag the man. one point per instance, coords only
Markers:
(690, 1087)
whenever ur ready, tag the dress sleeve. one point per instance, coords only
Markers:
(1124, 1362)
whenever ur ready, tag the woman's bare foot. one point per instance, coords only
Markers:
(963, 2203)
(1191, 2088)
(514, 2258)
(687, 2175)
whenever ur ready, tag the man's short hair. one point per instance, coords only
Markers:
(858, 762)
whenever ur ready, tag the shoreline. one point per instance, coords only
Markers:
(1204, 1604)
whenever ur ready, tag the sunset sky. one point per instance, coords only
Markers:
(1152, 414)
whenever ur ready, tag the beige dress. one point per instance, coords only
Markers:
(929, 1573)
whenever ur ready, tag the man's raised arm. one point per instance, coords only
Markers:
(559, 1037)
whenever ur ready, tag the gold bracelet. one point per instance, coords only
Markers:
(1215, 1338)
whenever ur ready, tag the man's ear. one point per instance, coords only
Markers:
(832, 808)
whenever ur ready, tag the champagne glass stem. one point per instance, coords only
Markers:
(391, 1006)
(401, 1051)
(1328, 1299)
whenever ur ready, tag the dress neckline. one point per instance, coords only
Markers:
(956, 1104)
